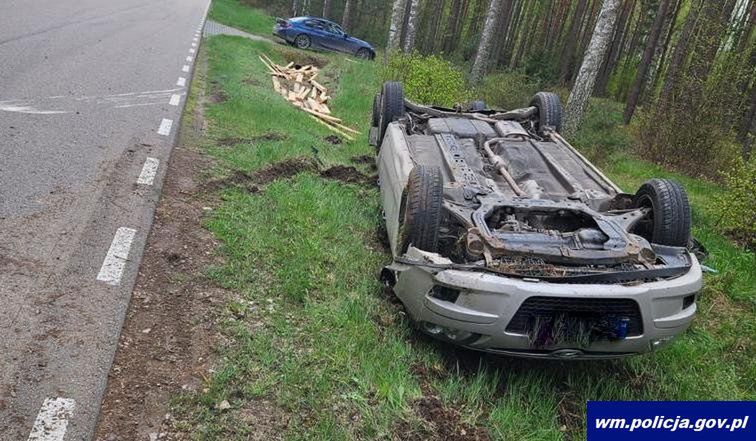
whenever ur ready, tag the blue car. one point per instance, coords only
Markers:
(319, 33)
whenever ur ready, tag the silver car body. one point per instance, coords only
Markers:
(483, 313)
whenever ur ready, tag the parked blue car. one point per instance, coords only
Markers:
(319, 33)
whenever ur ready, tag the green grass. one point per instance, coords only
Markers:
(233, 13)
(311, 333)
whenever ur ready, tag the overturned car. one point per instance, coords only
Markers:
(506, 239)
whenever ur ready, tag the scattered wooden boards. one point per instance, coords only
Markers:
(297, 84)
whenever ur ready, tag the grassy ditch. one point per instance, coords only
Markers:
(234, 13)
(316, 350)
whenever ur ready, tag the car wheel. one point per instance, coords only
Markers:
(669, 220)
(422, 211)
(376, 118)
(392, 106)
(364, 53)
(477, 106)
(549, 111)
(302, 41)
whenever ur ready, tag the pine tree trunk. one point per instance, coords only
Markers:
(747, 130)
(572, 36)
(395, 27)
(327, 9)
(480, 65)
(506, 53)
(435, 8)
(615, 49)
(409, 39)
(502, 31)
(680, 54)
(658, 74)
(641, 74)
(345, 21)
(594, 56)
(295, 8)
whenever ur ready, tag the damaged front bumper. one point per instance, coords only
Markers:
(490, 312)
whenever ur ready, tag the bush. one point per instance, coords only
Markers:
(427, 79)
(737, 204)
(507, 90)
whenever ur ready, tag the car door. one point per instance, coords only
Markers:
(336, 38)
(316, 29)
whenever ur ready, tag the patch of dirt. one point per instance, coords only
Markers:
(218, 96)
(284, 169)
(349, 175)
(231, 141)
(333, 139)
(268, 136)
(363, 159)
(303, 58)
(271, 136)
(569, 411)
(167, 341)
(440, 422)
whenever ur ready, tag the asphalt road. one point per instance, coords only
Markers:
(85, 87)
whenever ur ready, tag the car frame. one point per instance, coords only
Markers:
(506, 239)
(319, 33)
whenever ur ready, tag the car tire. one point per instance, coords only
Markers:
(303, 41)
(549, 111)
(422, 211)
(477, 106)
(392, 106)
(670, 218)
(376, 118)
(364, 53)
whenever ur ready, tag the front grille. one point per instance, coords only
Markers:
(578, 308)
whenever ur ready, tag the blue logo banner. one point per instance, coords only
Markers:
(671, 420)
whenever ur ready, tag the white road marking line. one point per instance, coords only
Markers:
(189, 58)
(138, 105)
(118, 254)
(181, 81)
(194, 44)
(52, 420)
(195, 39)
(165, 127)
(175, 100)
(185, 68)
(149, 170)
(28, 109)
(191, 50)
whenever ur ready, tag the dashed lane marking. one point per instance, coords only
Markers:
(52, 420)
(185, 68)
(149, 170)
(175, 100)
(181, 81)
(165, 127)
(118, 255)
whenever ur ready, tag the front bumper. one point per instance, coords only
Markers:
(486, 303)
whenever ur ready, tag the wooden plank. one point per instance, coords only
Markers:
(332, 128)
(319, 86)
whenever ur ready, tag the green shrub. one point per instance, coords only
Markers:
(427, 79)
(737, 206)
(507, 90)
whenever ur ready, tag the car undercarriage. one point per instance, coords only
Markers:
(503, 194)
